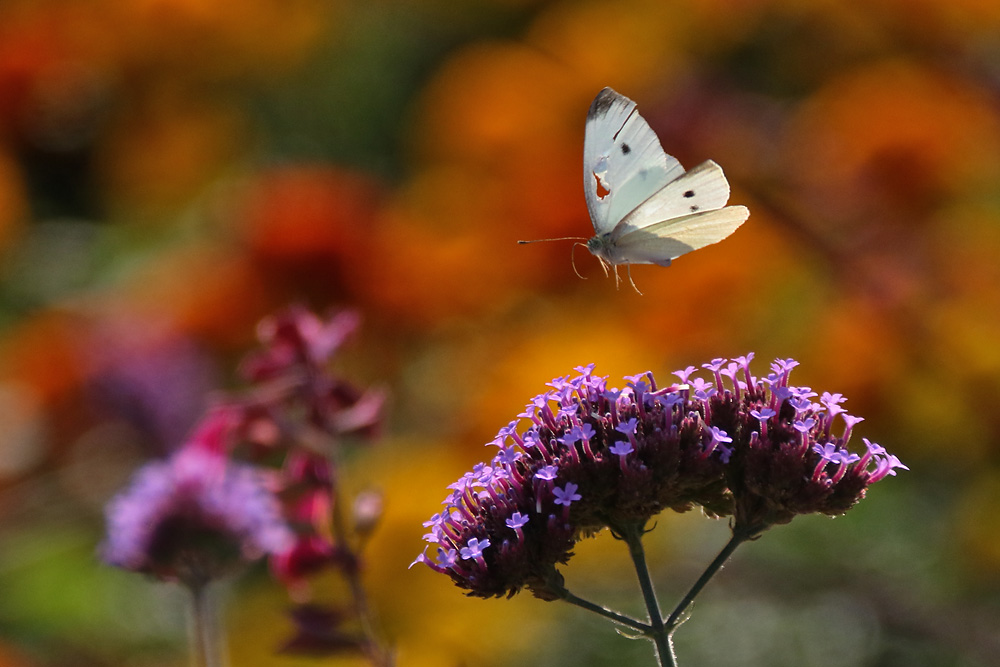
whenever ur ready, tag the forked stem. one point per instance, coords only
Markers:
(658, 632)
(738, 538)
(614, 616)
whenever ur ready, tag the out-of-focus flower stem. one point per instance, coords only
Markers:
(657, 631)
(379, 655)
(205, 638)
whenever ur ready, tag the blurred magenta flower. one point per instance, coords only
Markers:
(297, 337)
(290, 376)
(298, 415)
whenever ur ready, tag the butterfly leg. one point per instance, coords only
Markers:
(604, 266)
(628, 268)
(572, 260)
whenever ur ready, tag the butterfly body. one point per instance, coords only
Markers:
(645, 208)
(605, 248)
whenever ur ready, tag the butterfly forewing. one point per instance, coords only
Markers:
(623, 162)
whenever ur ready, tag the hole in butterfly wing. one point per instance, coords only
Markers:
(602, 191)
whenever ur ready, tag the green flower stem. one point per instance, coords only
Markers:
(738, 538)
(379, 655)
(205, 640)
(658, 632)
(621, 619)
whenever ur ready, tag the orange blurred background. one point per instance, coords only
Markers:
(173, 170)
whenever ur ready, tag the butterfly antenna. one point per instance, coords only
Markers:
(628, 267)
(563, 238)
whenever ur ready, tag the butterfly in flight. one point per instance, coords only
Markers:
(644, 207)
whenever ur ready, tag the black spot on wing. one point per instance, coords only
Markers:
(694, 208)
(689, 194)
(602, 103)
(626, 149)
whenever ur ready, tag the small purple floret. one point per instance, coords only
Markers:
(566, 496)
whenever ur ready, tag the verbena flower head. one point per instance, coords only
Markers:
(194, 517)
(595, 456)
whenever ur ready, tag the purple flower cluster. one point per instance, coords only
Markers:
(194, 518)
(595, 456)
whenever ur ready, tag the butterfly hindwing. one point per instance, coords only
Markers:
(623, 162)
(660, 242)
(704, 188)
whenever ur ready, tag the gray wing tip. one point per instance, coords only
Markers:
(604, 100)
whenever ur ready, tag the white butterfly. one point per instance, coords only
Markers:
(645, 208)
